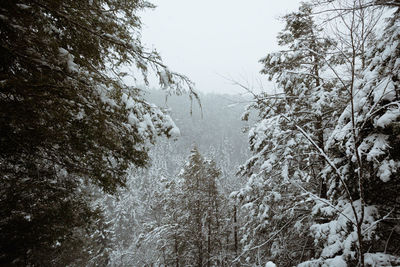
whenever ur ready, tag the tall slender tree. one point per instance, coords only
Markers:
(200, 199)
(285, 169)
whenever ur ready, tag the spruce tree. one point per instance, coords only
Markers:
(285, 168)
(200, 200)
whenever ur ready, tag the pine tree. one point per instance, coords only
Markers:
(200, 199)
(285, 170)
(67, 119)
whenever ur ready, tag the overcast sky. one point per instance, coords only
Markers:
(209, 40)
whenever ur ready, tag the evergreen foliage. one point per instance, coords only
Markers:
(374, 196)
(323, 172)
(67, 119)
(321, 183)
(284, 167)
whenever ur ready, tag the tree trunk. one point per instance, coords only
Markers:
(235, 233)
(176, 252)
(209, 244)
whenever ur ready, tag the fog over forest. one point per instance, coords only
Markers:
(100, 167)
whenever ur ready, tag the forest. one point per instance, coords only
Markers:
(97, 171)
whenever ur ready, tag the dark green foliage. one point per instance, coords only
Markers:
(67, 120)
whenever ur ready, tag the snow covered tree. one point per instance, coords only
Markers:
(200, 200)
(230, 215)
(285, 168)
(67, 118)
(145, 217)
(179, 218)
(363, 221)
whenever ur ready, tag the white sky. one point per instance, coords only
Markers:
(209, 40)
